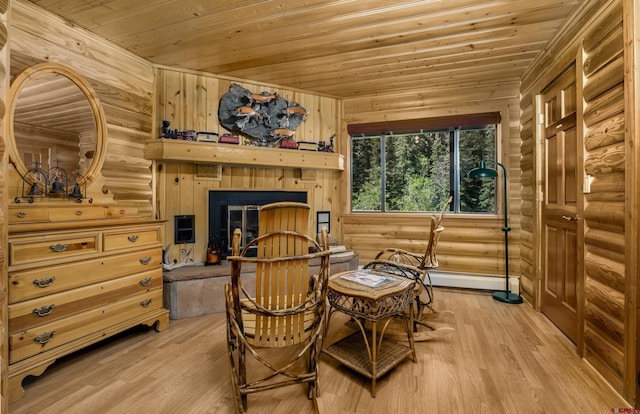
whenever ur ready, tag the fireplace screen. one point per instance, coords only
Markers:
(246, 219)
(229, 210)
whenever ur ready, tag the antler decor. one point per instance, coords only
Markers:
(168, 264)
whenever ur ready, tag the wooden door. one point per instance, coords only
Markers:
(560, 207)
(33, 155)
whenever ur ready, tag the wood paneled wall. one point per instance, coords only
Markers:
(470, 244)
(4, 158)
(594, 39)
(190, 101)
(123, 83)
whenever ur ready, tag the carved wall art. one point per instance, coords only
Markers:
(265, 118)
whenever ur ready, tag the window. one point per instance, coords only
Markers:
(416, 171)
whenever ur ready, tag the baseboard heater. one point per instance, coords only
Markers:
(470, 281)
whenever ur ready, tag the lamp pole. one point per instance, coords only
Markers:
(483, 172)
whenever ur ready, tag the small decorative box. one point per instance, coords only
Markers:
(308, 146)
(229, 139)
(289, 144)
(207, 136)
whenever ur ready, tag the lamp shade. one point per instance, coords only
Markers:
(482, 172)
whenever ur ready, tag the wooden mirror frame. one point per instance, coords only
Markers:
(94, 103)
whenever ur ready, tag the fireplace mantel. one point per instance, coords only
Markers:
(206, 152)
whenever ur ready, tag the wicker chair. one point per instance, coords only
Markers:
(415, 265)
(287, 310)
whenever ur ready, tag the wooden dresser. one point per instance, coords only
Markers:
(77, 274)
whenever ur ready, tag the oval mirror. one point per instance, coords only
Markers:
(55, 119)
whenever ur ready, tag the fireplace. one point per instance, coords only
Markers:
(229, 210)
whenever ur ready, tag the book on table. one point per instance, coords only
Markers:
(367, 279)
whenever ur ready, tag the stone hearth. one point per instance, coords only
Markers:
(198, 290)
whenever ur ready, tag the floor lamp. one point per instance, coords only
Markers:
(482, 172)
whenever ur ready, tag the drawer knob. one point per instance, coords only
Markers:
(146, 282)
(146, 303)
(133, 238)
(145, 260)
(59, 248)
(21, 214)
(79, 212)
(45, 337)
(44, 310)
(44, 281)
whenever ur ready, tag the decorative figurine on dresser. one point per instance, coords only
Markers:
(78, 272)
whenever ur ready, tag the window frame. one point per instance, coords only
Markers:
(454, 124)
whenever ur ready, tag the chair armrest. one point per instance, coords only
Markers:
(398, 268)
(400, 256)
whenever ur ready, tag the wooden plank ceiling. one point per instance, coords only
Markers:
(344, 48)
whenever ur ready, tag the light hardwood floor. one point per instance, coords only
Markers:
(500, 359)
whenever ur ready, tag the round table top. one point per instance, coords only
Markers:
(368, 283)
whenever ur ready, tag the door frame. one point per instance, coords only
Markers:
(631, 28)
(580, 178)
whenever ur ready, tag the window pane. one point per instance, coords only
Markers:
(417, 171)
(477, 144)
(366, 179)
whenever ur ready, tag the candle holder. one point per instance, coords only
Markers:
(36, 180)
(59, 181)
(79, 190)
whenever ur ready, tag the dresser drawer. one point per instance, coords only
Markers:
(27, 215)
(29, 342)
(77, 213)
(38, 250)
(34, 283)
(34, 312)
(117, 212)
(131, 238)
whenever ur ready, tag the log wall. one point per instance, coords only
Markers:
(604, 259)
(190, 101)
(470, 243)
(124, 85)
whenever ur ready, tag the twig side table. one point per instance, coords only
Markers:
(368, 352)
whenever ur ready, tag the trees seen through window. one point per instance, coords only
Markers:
(417, 172)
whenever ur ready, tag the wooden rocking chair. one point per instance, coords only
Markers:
(415, 266)
(288, 308)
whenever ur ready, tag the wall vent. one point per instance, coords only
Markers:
(211, 172)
